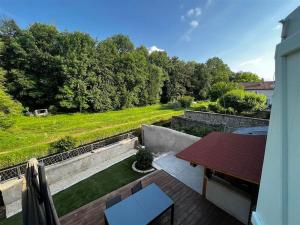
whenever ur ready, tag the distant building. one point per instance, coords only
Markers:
(266, 88)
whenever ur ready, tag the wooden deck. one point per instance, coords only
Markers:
(190, 207)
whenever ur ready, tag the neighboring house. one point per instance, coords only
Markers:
(265, 88)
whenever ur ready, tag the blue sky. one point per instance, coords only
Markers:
(244, 33)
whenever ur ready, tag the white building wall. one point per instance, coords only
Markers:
(279, 196)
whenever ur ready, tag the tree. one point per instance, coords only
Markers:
(8, 28)
(220, 88)
(123, 43)
(71, 71)
(218, 70)
(201, 81)
(155, 83)
(246, 77)
(175, 85)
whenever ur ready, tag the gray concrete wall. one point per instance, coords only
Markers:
(67, 173)
(161, 139)
(229, 121)
(228, 198)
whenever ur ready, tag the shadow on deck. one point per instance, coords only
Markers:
(190, 207)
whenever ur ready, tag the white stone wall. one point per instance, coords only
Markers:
(67, 173)
(161, 139)
(230, 121)
(231, 200)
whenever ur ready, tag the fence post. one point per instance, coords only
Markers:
(19, 172)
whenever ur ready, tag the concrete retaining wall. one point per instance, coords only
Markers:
(161, 139)
(228, 198)
(231, 122)
(67, 173)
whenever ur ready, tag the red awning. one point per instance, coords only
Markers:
(236, 155)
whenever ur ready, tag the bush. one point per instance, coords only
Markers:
(6, 121)
(186, 101)
(254, 102)
(52, 109)
(144, 159)
(203, 108)
(221, 88)
(200, 106)
(241, 101)
(173, 105)
(197, 131)
(62, 145)
(215, 107)
(8, 109)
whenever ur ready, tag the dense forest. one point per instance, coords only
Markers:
(42, 67)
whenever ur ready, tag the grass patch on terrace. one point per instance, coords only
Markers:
(30, 136)
(89, 189)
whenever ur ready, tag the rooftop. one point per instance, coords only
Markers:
(190, 207)
(266, 85)
(237, 155)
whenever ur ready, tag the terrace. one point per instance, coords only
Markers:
(84, 203)
(190, 207)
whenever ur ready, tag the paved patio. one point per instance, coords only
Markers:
(190, 207)
(181, 170)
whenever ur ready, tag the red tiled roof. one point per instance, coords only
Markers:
(267, 85)
(236, 155)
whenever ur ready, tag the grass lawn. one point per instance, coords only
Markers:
(31, 136)
(88, 190)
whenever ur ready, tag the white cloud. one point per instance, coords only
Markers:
(194, 23)
(198, 11)
(190, 12)
(208, 3)
(182, 18)
(154, 48)
(255, 61)
(194, 12)
(262, 65)
(277, 27)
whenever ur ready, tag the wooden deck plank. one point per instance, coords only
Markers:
(190, 207)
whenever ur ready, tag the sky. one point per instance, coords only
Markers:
(244, 33)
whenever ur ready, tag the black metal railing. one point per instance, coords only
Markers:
(19, 170)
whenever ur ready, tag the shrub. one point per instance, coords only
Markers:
(203, 108)
(144, 159)
(6, 121)
(62, 145)
(229, 110)
(8, 109)
(241, 101)
(52, 109)
(186, 101)
(254, 102)
(199, 131)
(215, 107)
(221, 88)
(173, 105)
(200, 106)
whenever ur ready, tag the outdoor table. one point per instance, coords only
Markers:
(140, 208)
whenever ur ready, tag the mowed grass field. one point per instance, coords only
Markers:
(31, 136)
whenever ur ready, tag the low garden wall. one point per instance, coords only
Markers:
(231, 200)
(69, 172)
(219, 121)
(162, 139)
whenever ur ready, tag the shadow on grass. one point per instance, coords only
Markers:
(89, 189)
